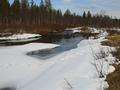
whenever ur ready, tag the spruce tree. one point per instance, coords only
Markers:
(4, 7)
(84, 15)
(48, 4)
(89, 15)
(67, 13)
(15, 8)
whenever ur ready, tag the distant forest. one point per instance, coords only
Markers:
(29, 16)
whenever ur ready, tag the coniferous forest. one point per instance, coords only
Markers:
(31, 17)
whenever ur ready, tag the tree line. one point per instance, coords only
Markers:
(29, 15)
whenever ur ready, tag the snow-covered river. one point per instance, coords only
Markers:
(67, 61)
(11, 56)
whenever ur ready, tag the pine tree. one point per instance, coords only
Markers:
(67, 16)
(24, 11)
(4, 7)
(4, 11)
(89, 15)
(24, 5)
(67, 13)
(15, 8)
(32, 3)
(84, 15)
(48, 4)
(24, 2)
(89, 18)
(42, 5)
(1, 9)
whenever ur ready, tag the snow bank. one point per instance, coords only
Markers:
(20, 36)
(75, 66)
(114, 29)
(74, 30)
(16, 68)
(93, 30)
(78, 30)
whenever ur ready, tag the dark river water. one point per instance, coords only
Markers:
(66, 44)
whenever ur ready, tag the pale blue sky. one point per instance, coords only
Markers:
(110, 7)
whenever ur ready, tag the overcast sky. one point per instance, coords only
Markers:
(110, 7)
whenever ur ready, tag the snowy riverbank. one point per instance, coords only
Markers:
(17, 38)
(74, 66)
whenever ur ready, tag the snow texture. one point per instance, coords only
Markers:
(70, 68)
(20, 36)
